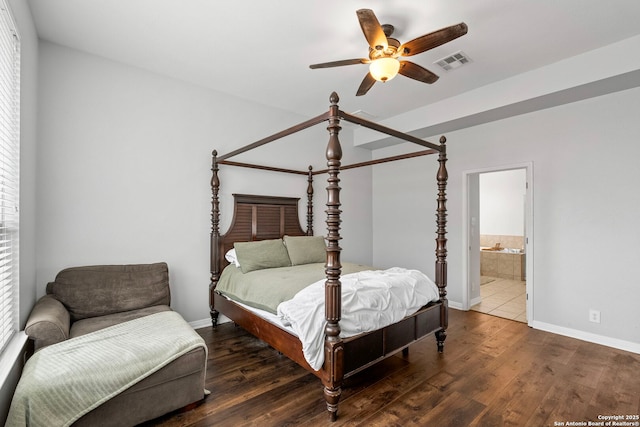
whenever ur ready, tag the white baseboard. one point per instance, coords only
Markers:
(203, 323)
(633, 347)
(456, 305)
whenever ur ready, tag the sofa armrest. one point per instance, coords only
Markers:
(48, 322)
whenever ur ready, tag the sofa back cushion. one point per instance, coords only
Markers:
(104, 289)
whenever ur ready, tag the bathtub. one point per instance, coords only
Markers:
(504, 250)
(507, 263)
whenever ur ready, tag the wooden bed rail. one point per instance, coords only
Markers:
(323, 171)
(391, 132)
(290, 131)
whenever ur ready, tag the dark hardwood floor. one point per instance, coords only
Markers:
(494, 372)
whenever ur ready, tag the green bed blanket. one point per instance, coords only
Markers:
(266, 288)
(64, 381)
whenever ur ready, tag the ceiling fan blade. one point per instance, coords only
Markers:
(434, 39)
(366, 84)
(416, 72)
(340, 63)
(372, 29)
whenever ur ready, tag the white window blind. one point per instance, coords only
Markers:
(9, 173)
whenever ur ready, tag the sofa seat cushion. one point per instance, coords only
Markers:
(92, 324)
(105, 289)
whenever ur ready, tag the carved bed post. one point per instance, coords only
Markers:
(215, 235)
(441, 242)
(333, 346)
(310, 202)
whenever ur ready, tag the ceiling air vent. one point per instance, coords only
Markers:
(455, 60)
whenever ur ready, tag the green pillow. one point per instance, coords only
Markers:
(261, 254)
(306, 249)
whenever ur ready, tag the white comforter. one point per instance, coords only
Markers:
(370, 300)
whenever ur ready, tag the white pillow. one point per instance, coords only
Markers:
(232, 258)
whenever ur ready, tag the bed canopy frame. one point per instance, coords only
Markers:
(343, 357)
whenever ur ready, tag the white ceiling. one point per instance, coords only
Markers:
(261, 50)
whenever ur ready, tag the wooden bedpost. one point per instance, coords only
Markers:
(333, 370)
(441, 242)
(310, 202)
(215, 235)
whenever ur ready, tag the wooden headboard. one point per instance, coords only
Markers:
(258, 218)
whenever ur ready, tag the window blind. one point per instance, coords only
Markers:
(9, 173)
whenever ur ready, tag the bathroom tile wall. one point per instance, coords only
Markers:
(500, 264)
(489, 240)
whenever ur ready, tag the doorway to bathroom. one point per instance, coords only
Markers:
(499, 244)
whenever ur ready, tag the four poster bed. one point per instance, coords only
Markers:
(274, 223)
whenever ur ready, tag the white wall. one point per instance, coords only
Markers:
(585, 216)
(124, 171)
(502, 202)
(404, 207)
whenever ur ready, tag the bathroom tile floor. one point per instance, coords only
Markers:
(503, 298)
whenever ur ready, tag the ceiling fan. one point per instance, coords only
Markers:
(384, 52)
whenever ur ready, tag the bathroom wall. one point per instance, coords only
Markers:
(502, 204)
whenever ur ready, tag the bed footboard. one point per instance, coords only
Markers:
(365, 350)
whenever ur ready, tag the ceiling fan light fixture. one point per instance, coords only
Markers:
(384, 69)
(385, 50)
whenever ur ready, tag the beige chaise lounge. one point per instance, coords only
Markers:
(87, 299)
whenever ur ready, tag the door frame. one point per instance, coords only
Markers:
(468, 252)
